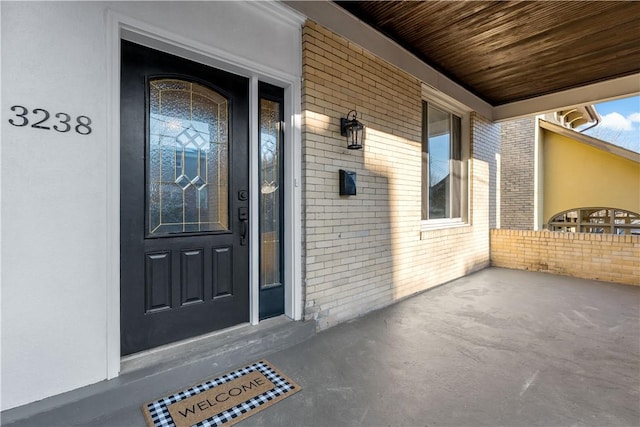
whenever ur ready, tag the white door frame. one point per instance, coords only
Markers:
(120, 27)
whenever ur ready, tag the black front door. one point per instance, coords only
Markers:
(184, 199)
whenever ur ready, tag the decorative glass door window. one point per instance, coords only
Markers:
(270, 193)
(187, 159)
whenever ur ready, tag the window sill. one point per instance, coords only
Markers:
(432, 225)
(443, 229)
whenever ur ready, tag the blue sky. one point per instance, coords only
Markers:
(620, 123)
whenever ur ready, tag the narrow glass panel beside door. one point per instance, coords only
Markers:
(270, 151)
(271, 201)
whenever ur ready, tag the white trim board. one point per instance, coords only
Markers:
(590, 94)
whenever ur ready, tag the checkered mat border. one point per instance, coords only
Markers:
(158, 413)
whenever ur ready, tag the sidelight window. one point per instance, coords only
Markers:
(271, 197)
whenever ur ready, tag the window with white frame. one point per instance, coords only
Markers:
(444, 187)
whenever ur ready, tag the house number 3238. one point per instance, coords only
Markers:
(40, 118)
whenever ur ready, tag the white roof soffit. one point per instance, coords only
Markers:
(591, 94)
(338, 20)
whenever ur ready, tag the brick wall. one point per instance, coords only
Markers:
(517, 174)
(366, 251)
(604, 257)
(486, 145)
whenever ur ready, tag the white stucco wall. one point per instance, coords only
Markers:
(57, 277)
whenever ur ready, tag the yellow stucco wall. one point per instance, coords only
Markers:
(577, 175)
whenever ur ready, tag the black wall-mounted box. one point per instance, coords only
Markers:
(347, 183)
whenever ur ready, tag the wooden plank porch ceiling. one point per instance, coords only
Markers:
(507, 51)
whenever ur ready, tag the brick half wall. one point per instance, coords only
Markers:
(605, 257)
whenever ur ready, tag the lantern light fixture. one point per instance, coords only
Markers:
(353, 130)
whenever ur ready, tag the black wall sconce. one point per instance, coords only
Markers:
(353, 130)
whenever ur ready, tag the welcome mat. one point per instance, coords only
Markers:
(223, 400)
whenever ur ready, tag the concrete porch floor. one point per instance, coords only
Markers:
(498, 347)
